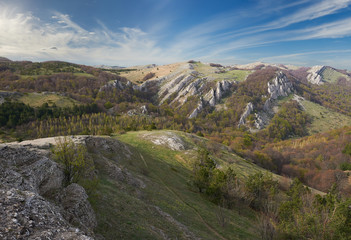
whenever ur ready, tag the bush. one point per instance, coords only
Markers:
(72, 157)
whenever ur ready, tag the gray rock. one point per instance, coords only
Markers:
(315, 76)
(27, 175)
(249, 108)
(77, 207)
(197, 110)
(29, 170)
(26, 215)
(280, 86)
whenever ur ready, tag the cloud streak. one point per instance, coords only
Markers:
(25, 36)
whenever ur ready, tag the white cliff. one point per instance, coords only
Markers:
(315, 76)
(248, 110)
(280, 86)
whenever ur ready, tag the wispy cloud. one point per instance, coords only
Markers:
(314, 11)
(22, 34)
(25, 36)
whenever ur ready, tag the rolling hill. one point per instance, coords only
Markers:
(188, 150)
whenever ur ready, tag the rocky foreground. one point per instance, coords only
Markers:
(33, 202)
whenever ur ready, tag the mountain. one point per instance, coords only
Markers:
(188, 150)
(3, 59)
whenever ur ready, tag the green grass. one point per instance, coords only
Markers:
(126, 212)
(37, 99)
(237, 75)
(324, 119)
(330, 75)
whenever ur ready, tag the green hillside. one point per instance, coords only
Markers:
(154, 198)
(324, 119)
(332, 76)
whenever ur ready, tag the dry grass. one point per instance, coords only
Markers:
(159, 71)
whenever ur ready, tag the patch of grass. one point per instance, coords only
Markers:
(37, 99)
(237, 75)
(324, 119)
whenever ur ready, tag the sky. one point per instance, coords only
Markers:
(136, 32)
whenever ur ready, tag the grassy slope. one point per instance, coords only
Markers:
(159, 71)
(323, 119)
(238, 75)
(166, 174)
(37, 99)
(330, 75)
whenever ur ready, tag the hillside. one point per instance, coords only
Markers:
(143, 191)
(190, 150)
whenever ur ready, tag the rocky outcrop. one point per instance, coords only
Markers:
(28, 179)
(176, 85)
(198, 109)
(213, 97)
(280, 86)
(139, 111)
(221, 88)
(167, 139)
(194, 88)
(27, 215)
(315, 76)
(216, 94)
(248, 110)
(115, 84)
(78, 211)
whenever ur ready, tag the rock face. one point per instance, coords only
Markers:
(213, 97)
(315, 76)
(77, 208)
(216, 94)
(114, 84)
(249, 108)
(28, 178)
(198, 109)
(26, 215)
(280, 86)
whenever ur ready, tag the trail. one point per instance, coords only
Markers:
(187, 204)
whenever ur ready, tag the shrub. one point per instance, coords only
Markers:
(72, 157)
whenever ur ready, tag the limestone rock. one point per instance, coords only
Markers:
(280, 86)
(114, 84)
(167, 139)
(28, 178)
(315, 76)
(249, 108)
(26, 215)
(138, 111)
(29, 170)
(77, 208)
(197, 110)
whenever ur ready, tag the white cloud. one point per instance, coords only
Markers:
(23, 36)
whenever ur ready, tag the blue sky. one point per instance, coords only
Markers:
(133, 32)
